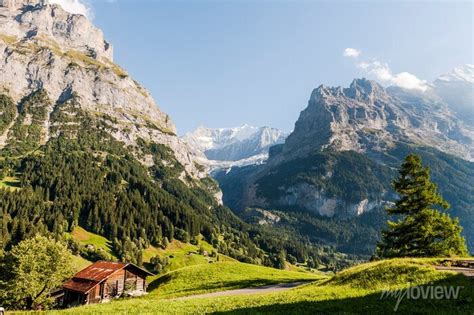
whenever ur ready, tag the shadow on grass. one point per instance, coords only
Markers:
(375, 304)
(155, 284)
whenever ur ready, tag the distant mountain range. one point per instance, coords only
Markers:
(240, 146)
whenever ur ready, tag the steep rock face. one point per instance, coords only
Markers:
(366, 117)
(44, 48)
(305, 196)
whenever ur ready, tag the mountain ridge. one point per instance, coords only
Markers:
(366, 117)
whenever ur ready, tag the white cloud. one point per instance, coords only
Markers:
(74, 6)
(382, 72)
(351, 52)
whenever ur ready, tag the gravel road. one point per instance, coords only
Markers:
(265, 289)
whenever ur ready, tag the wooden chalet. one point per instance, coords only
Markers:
(104, 280)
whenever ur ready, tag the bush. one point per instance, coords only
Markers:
(158, 263)
(31, 270)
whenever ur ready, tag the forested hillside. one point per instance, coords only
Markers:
(353, 177)
(86, 178)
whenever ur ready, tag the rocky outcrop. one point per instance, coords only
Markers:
(314, 199)
(37, 20)
(261, 216)
(43, 47)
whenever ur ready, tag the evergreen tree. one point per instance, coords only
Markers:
(421, 230)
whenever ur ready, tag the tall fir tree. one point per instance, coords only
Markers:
(421, 230)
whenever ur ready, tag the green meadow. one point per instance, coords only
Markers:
(357, 290)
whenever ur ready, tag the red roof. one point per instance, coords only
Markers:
(87, 278)
(100, 270)
(80, 285)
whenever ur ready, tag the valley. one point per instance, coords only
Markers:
(105, 208)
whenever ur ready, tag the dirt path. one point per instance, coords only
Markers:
(265, 289)
(468, 272)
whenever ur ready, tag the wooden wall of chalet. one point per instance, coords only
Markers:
(115, 284)
(136, 281)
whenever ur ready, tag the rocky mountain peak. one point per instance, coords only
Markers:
(366, 117)
(363, 89)
(38, 21)
(360, 90)
(320, 93)
(20, 4)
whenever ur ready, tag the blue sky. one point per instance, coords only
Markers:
(226, 63)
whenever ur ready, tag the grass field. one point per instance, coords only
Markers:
(88, 238)
(180, 254)
(80, 263)
(354, 291)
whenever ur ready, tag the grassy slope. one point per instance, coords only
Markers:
(88, 238)
(354, 291)
(220, 276)
(80, 263)
(182, 254)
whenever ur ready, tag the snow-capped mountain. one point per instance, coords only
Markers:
(463, 73)
(244, 145)
(457, 90)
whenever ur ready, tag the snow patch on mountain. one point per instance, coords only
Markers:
(457, 89)
(239, 146)
(463, 73)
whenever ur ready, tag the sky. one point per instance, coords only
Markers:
(229, 63)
